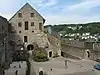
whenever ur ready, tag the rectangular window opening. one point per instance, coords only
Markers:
(32, 14)
(19, 24)
(26, 25)
(40, 26)
(25, 39)
(19, 14)
(32, 23)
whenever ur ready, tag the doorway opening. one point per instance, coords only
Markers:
(50, 54)
(62, 54)
(30, 47)
(41, 73)
(88, 54)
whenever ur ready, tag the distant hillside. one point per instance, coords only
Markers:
(93, 28)
(77, 30)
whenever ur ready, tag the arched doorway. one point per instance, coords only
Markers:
(30, 47)
(87, 54)
(50, 54)
(41, 73)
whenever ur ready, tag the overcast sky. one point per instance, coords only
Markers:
(57, 11)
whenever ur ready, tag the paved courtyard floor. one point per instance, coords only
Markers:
(75, 67)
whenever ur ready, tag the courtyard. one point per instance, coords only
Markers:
(55, 66)
(75, 67)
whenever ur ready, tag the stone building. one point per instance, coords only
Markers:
(27, 26)
(55, 45)
(54, 39)
(5, 47)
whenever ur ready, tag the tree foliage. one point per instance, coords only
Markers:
(40, 55)
(92, 28)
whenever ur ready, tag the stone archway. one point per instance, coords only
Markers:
(87, 54)
(41, 73)
(30, 47)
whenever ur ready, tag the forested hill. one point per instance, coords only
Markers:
(93, 28)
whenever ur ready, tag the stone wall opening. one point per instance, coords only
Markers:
(87, 54)
(50, 54)
(62, 54)
(41, 73)
(30, 47)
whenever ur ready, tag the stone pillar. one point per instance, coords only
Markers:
(59, 52)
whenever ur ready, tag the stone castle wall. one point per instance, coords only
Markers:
(79, 49)
(74, 43)
(55, 44)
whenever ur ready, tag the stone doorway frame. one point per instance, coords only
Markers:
(87, 54)
(30, 47)
(50, 56)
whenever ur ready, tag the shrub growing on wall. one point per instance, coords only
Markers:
(40, 55)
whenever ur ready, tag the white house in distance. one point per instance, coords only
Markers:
(27, 25)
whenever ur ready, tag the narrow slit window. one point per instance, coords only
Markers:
(40, 26)
(19, 24)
